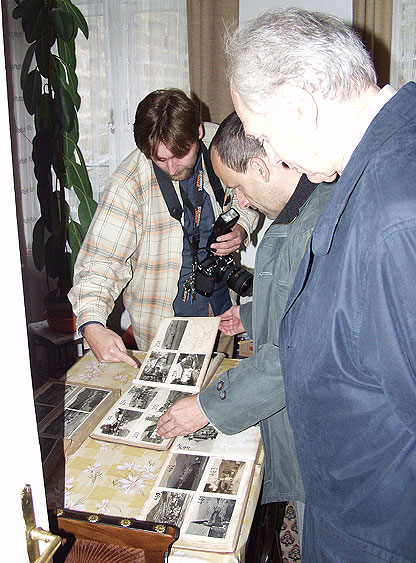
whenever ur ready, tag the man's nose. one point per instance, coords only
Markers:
(242, 200)
(172, 166)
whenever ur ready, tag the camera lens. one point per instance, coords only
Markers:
(240, 281)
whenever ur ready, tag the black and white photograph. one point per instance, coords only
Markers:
(171, 399)
(150, 434)
(122, 423)
(65, 424)
(157, 367)
(168, 507)
(225, 477)
(184, 472)
(187, 369)
(211, 517)
(174, 334)
(140, 396)
(88, 399)
(55, 394)
(244, 445)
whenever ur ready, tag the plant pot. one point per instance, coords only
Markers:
(59, 314)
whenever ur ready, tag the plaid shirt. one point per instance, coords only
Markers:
(134, 244)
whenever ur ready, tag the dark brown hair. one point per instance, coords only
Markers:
(234, 148)
(168, 117)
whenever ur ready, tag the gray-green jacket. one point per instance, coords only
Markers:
(253, 391)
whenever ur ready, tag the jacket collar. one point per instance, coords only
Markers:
(395, 114)
(301, 194)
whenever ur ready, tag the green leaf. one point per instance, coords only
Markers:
(43, 51)
(62, 22)
(27, 61)
(72, 87)
(86, 210)
(43, 118)
(70, 140)
(44, 193)
(66, 50)
(35, 23)
(24, 6)
(79, 19)
(52, 258)
(57, 73)
(75, 238)
(64, 109)
(32, 91)
(38, 243)
(77, 177)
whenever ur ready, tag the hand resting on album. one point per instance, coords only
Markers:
(181, 419)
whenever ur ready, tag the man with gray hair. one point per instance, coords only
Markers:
(304, 85)
(253, 391)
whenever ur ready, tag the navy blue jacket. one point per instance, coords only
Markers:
(348, 353)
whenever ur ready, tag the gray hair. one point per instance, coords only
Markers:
(233, 146)
(314, 51)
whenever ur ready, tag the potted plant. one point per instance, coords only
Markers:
(50, 93)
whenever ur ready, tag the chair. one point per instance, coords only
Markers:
(95, 538)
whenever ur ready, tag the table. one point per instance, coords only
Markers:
(116, 479)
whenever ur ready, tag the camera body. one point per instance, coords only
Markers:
(214, 271)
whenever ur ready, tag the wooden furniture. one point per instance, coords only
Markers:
(97, 538)
(57, 346)
(116, 479)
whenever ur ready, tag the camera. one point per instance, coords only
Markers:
(214, 271)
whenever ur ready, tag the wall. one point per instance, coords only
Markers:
(248, 10)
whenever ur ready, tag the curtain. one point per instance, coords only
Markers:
(372, 19)
(403, 51)
(207, 22)
(134, 47)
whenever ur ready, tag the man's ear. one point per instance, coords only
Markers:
(297, 105)
(260, 168)
(200, 132)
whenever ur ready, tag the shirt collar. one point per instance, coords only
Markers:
(373, 108)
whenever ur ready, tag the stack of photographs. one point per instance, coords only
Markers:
(174, 367)
(203, 488)
(65, 414)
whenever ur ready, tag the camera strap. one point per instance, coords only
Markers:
(175, 210)
(168, 191)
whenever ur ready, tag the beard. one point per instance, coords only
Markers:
(182, 174)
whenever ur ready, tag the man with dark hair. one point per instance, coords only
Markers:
(303, 84)
(134, 242)
(253, 391)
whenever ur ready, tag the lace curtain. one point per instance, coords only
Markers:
(135, 46)
(403, 48)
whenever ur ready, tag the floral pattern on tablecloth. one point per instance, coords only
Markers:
(107, 478)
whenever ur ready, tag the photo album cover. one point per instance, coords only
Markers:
(175, 366)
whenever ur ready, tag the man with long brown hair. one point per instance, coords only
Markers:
(136, 243)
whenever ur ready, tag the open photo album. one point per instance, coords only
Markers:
(177, 364)
(203, 488)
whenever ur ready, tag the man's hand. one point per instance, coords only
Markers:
(181, 419)
(107, 345)
(230, 242)
(230, 323)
